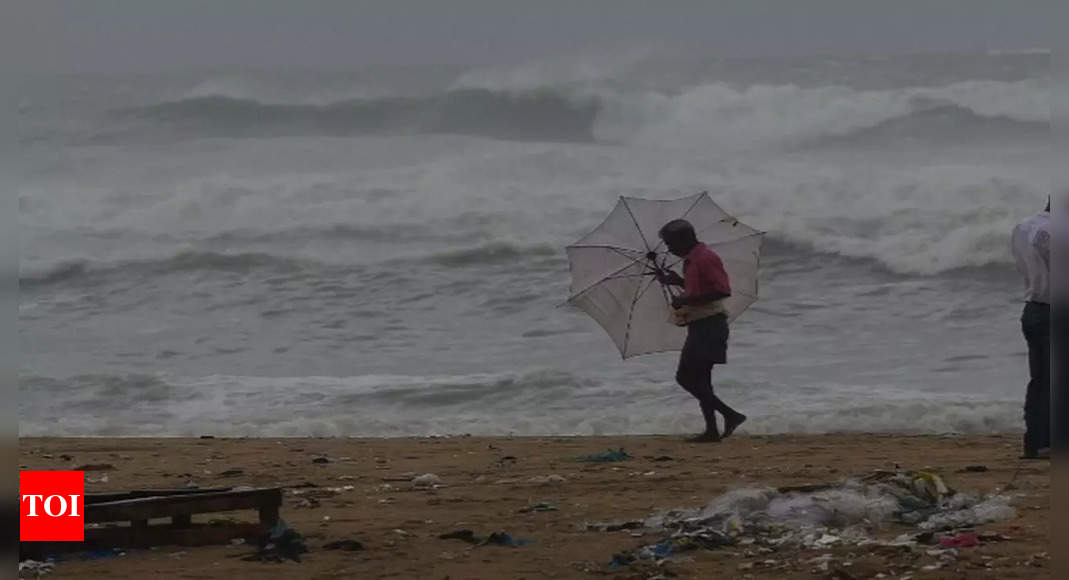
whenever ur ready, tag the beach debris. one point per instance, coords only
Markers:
(819, 517)
(101, 479)
(95, 467)
(806, 487)
(320, 460)
(35, 569)
(465, 535)
(320, 492)
(542, 479)
(973, 469)
(961, 540)
(344, 545)
(232, 473)
(992, 509)
(427, 480)
(504, 539)
(662, 458)
(283, 543)
(505, 462)
(538, 507)
(407, 476)
(494, 539)
(207, 436)
(609, 456)
(615, 526)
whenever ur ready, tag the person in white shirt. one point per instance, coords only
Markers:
(1031, 243)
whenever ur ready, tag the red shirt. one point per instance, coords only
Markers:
(703, 273)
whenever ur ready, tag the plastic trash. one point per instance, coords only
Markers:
(35, 569)
(465, 535)
(283, 543)
(538, 507)
(993, 509)
(615, 526)
(547, 479)
(426, 480)
(962, 540)
(610, 456)
(819, 516)
(504, 539)
(95, 467)
(344, 545)
(495, 539)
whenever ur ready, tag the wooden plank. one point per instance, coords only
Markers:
(92, 498)
(165, 507)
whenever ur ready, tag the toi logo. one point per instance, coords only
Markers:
(51, 506)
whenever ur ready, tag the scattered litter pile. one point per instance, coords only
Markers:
(495, 539)
(816, 516)
(35, 569)
(283, 543)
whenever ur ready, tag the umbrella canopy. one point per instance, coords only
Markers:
(613, 269)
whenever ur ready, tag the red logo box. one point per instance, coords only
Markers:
(51, 506)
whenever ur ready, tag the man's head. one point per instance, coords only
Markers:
(679, 236)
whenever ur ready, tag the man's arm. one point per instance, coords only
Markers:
(669, 278)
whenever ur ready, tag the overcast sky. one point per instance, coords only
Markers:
(155, 35)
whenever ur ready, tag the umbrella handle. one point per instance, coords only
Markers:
(659, 269)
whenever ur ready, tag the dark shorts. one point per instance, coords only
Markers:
(707, 342)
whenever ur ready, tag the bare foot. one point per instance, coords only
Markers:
(707, 437)
(732, 423)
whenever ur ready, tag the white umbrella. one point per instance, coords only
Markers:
(613, 269)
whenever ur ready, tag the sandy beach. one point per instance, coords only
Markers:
(493, 484)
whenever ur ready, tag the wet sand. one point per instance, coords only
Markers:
(488, 481)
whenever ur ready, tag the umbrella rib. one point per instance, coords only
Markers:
(614, 275)
(604, 247)
(623, 252)
(637, 227)
(592, 286)
(631, 312)
(626, 276)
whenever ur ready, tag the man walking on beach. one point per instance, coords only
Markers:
(1031, 243)
(700, 308)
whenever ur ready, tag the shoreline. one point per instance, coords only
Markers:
(489, 482)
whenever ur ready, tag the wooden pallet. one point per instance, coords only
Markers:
(128, 515)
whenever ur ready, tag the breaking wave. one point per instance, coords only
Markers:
(715, 115)
(720, 116)
(535, 115)
(80, 269)
(535, 401)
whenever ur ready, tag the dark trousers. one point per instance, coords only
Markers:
(706, 346)
(1035, 322)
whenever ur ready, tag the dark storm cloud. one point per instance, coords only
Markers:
(147, 35)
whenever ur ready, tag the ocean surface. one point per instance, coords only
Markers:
(381, 252)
